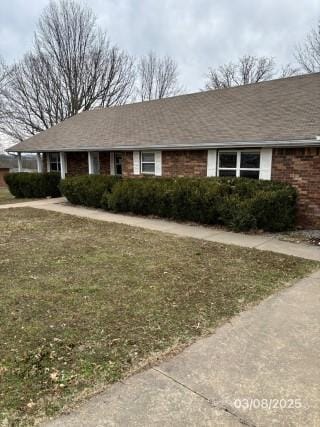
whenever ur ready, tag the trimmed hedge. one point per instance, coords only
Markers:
(33, 185)
(238, 203)
(87, 190)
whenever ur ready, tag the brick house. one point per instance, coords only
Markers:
(268, 130)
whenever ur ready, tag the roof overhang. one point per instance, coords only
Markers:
(198, 146)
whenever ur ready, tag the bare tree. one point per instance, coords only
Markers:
(3, 73)
(249, 69)
(288, 71)
(3, 83)
(72, 67)
(157, 77)
(34, 99)
(307, 54)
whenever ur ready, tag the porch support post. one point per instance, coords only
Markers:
(39, 163)
(90, 163)
(19, 163)
(63, 165)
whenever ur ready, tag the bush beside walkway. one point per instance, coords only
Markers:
(33, 185)
(238, 203)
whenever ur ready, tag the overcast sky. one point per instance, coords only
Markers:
(197, 33)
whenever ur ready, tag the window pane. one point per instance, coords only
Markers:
(250, 160)
(148, 157)
(148, 167)
(227, 160)
(250, 174)
(227, 172)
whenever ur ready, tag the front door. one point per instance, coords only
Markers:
(118, 163)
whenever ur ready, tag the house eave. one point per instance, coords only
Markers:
(203, 146)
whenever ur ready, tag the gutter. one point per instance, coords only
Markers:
(201, 146)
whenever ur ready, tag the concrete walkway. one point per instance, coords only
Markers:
(266, 358)
(261, 242)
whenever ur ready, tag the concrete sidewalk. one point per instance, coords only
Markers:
(260, 369)
(261, 242)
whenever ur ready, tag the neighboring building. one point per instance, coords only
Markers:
(3, 172)
(268, 130)
(6, 163)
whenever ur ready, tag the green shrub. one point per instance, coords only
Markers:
(33, 185)
(238, 203)
(87, 190)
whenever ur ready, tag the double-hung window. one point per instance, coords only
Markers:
(54, 162)
(244, 163)
(148, 163)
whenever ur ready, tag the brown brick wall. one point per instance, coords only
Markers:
(184, 163)
(301, 168)
(77, 164)
(104, 158)
(127, 164)
(44, 162)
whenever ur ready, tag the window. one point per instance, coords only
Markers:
(54, 162)
(239, 163)
(148, 163)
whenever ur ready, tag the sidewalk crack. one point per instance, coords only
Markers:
(226, 408)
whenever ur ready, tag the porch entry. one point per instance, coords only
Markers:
(118, 160)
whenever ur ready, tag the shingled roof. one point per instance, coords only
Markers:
(278, 110)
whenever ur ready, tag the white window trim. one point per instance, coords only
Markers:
(19, 162)
(39, 163)
(212, 163)
(63, 164)
(93, 163)
(238, 169)
(136, 163)
(265, 164)
(158, 165)
(148, 163)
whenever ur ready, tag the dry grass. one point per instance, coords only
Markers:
(84, 302)
(7, 197)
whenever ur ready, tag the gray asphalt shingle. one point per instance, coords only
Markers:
(278, 110)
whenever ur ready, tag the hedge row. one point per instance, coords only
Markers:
(33, 185)
(237, 203)
(87, 190)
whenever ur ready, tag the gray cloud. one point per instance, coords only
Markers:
(197, 33)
